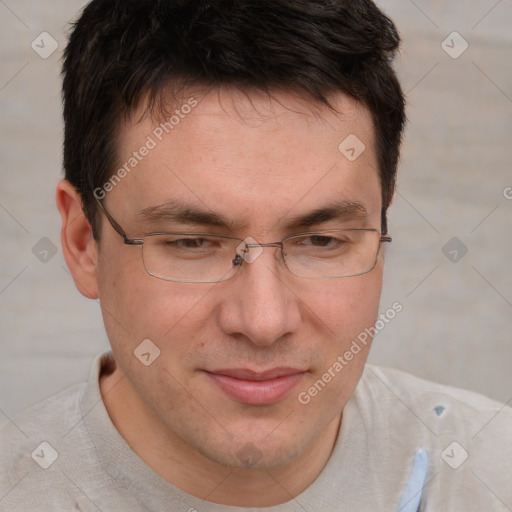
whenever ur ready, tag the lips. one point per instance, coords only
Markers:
(256, 388)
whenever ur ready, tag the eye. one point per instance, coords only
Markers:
(185, 243)
(324, 244)
(189, 243)
(321, 241)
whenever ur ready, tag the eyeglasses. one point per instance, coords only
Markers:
(209, 258)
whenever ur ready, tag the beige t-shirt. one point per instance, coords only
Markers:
(405, 444)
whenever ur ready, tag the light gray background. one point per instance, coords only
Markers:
(456, 323)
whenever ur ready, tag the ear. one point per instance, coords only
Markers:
(78, 245)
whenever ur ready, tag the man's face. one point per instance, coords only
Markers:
(257, 163)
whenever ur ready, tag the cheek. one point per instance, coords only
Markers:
(347, 308)
(349, 305)
(137, 306)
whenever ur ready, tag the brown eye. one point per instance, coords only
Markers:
(321, 241)
(190, 243)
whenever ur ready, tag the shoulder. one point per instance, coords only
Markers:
(53, 416)
(30, 444)
(46, 447)
(416, 388)
(467, 436)
(437, 405)
(433, 413)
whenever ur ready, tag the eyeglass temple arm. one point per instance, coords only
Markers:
(384, 227)
(117, 227)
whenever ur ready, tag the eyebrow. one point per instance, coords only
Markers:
(178, 212)
(340, 211)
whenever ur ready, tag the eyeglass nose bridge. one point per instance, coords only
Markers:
(242, 255)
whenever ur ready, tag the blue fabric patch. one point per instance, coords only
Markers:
(411, 498)
(439, 410)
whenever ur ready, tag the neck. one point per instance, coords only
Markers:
(178, 463)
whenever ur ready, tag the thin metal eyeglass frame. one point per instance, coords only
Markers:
(238, 259)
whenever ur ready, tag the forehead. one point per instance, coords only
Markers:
(250, 154)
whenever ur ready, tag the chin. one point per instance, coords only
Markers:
(263, 452)
(256, 457)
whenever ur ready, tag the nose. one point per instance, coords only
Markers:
(259, 303)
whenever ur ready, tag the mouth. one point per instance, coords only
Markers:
(256, 388)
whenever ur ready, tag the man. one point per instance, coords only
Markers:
(229, 166)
